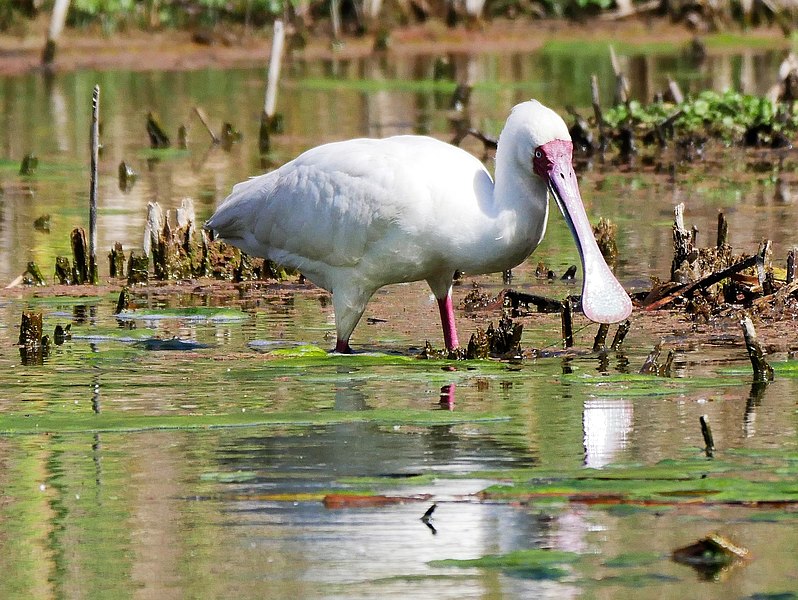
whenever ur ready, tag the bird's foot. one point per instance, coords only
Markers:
(343, 347)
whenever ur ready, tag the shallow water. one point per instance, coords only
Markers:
(132, 471)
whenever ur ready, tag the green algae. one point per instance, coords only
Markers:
(528, 564)
(82, 421)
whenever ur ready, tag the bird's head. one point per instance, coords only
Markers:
(543, 145)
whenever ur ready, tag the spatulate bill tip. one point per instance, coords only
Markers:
(607, 307)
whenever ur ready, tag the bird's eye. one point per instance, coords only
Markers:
(538, 154)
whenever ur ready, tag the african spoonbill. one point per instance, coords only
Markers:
(356, 215)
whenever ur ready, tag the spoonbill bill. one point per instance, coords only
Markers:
(356, 215)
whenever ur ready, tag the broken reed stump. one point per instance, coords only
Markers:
(682, 243)
(123, 303)
(723, 230)
(605, 233)
(116, 260)
(30, 330)
(80, 257)
(650, 365)
(603, 141)
(138, 269)
(706, 432)
(28, 165)
(63, 270)
(33, 346)
(762, 370)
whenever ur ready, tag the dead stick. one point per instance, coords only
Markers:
(650, 366)
(706, 432)
(95, 155)
(267, 117)
(594, 92)
(762, 370)
(791, 265)
(675, 90)
(201, 115)
(567, 324)
(704, 282)
(275, 59)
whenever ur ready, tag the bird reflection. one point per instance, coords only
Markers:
(607, 426)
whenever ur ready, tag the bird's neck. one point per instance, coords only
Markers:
(521, 203)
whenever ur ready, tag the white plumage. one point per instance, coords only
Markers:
(354, 216)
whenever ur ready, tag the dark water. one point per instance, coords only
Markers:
(217, 512)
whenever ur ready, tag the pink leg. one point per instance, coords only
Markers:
(342, 347)
(447, 320)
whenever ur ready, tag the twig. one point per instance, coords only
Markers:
(704, 282)
(95, 154)
(267, 117)
(214, 138)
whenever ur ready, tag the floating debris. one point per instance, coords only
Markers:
(157, 344)
(42, 223)
(711, 555)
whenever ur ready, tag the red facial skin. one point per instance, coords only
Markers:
(549, 154)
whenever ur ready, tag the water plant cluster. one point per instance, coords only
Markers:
(731, 116)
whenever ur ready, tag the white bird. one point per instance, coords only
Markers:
(356, 215)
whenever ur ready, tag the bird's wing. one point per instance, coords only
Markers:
(332, 203)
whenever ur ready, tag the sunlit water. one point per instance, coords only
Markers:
(237, 511)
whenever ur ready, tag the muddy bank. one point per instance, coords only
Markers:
(170, 50)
